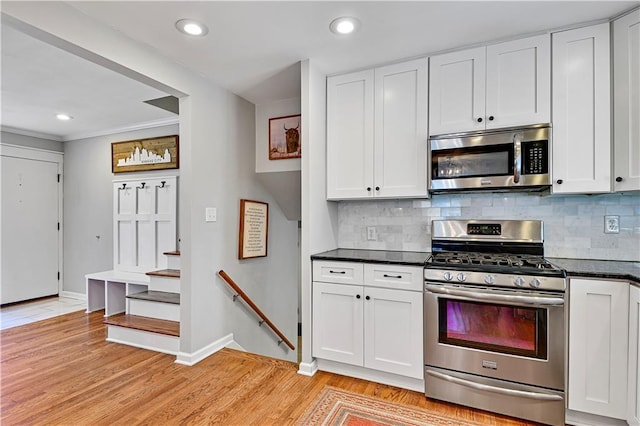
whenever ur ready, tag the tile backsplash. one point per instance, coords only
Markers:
(574, 225)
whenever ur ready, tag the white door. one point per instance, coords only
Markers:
(30, 221)
(519, 82)
(400, 154)
(633, 401)
(581, 110)
(393, 331)
(626, 98)
(337, 322)
(350, 135)
(457, 91)
(598, 347)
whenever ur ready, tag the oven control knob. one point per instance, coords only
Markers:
(535, 283)
(461, 277)
(518, 281)
(448, 276)
(489, 279)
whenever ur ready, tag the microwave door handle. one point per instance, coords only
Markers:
(517, 157)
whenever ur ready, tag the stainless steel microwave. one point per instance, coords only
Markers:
(515, 158)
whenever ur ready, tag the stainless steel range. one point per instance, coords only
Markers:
(494, 319)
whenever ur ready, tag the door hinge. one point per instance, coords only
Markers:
(58, 177)
(58, 275)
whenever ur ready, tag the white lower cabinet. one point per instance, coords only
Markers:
(633, 401)
(598, 347)
(370, 326)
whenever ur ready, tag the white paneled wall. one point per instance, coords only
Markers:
(573, 225)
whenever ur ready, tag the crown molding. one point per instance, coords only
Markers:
(31, 133)
(139, 126)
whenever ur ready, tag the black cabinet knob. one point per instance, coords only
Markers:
(559, 181)
(368, 298)
(619, 179)
(479, 120)
(491, 118)
(368, 188)
(357, 296)
(377, 188)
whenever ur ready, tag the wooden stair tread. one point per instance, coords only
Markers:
(154, 325)
(171, 273)
(172, 253)
(157, 296)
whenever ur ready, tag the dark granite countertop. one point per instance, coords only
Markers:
(411, 258)
(614, 269)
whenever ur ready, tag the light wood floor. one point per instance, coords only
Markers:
(61, 371)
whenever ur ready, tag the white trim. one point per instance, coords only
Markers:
(579, 418)
(73, 295)
(131, 128)
(143, 339)
(31, 133)
(308, 368)
(191, 359)
(37, 154)
(371, 375)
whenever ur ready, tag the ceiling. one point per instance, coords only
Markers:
(253, 49)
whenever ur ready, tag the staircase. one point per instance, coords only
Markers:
(152, 317)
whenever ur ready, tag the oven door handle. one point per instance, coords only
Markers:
(503, 391)
(508, 298)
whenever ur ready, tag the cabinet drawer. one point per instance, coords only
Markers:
(338, 272)
(394, 276)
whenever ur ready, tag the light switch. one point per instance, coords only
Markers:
(210, 214)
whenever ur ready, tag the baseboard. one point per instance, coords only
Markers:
(308, 368)
(73, 295)
(578, 418)
(190, 359)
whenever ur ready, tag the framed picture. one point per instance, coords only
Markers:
(284, 137)
(254, 225)
(145, 154)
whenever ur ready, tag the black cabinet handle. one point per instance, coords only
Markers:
(619, 179)
(337, 272)
(559, 181)
(368, 298)
(368, 189)
(377, 188)
(357, 296)
(392, 276)
(479, 120)
(491, 118)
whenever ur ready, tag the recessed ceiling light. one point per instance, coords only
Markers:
(64, 117)
(344, 25)
(191, 27)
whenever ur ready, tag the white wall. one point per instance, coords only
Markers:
(88, 203)
(31, 141)
(264, 112)
(216, 129)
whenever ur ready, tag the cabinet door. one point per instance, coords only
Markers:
(598, 347)
(400, 153)
(350, 135)
(337, 322)
(393, 331)
(518, 82)
(457, 91)
(581, 110)
(626, 98)
(633, 402)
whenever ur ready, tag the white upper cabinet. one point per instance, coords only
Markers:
(626, 98)
(503, 85)
(582, 110)
(377, 133)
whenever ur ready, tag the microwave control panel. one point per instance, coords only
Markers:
(535, 157)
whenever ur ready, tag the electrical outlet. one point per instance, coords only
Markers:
(210, 214)
(612, 224)
(372, 234)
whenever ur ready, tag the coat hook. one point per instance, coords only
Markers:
(142, 185)
(124, 186)
(161, 186)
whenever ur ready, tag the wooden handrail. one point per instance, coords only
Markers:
(253, 306)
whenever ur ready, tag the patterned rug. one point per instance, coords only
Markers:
(336, 407)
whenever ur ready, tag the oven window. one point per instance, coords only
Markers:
(493, 327)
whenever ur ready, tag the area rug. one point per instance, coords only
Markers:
(336, 407)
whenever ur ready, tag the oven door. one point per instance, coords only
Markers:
(513, 335)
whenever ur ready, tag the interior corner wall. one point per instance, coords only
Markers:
(31, 142)
(88, 199)
(265, 111)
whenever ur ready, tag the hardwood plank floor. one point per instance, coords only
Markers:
(61, 371)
